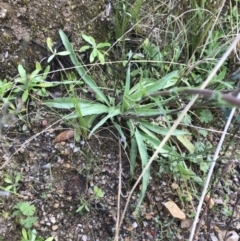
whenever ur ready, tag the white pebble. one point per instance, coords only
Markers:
(84, 238)
(134, 225)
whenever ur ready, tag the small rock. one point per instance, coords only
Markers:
(52, 219)
(174, 210)
(4, 194)
(46, 166)
(54, 227)
(213, 237)
(75, 149)
(24, 128)
(174, 186)
(148, 216)
(67, 165)
(56, 205)
(134, 225)
(186, 223)
(84, 238)
(44, 122)
(232, 236)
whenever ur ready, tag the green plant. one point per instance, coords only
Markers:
(84, 206)
(97, 51)
(98, 192)
(25, 211)
(13, 182)
(54, 52)
(31, 235)
(122, 20)
(131, 108)
(5, 87)
(35, 82)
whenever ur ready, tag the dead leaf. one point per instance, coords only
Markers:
(174, 210)
(64, 136)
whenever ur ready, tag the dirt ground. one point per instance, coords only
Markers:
(24, 21)
(60, 177)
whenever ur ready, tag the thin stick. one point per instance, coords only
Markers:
(119, 192)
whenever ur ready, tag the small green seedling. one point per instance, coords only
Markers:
(98, 192)
(25, 212)
(13, 182)
(84, 206)
(54, 51)
(31, 235)
(96, 49)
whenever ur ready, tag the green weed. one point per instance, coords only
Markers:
(13, 182)
(31, 235)
(24, 212)
(96, 49)
(54, 51)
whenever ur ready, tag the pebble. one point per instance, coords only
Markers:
(54, 227)
(84, 238)
(52, 219)
(232, 236)
(134, 225)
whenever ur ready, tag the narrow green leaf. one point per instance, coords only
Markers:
(25, 96)
(34, 74)
(126, 90)
(89, 39)
(144, 159)
(63, 53)
(87, 107)
(8, 188)
(49, 44)
(50, 58)
(22, 72)
(101, 57)
(121, 133)
(133, 148)
(92, 57)
(7, 180)
(17, 178)
(49, 239)
(186, 142)
(38, 66)
(24, 233)
(46, 71)
(84, 48)
(80, 209)
(103, 120)
(81, 71)
(161, 130)
(45, 85)
(102, 45)
(34, 234)
(154, 142)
